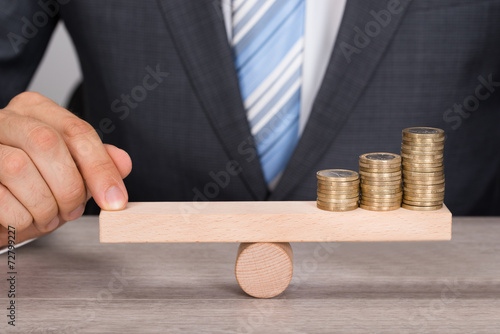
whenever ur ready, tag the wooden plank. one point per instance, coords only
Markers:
(145, 222)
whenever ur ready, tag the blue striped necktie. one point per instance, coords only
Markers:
(268, 43)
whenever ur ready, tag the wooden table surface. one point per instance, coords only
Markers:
(68, 282)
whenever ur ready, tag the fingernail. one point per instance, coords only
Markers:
(53, 224)
(115, 198)
(77, 212)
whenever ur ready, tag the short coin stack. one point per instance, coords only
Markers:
(380, 175)
(338, 190)
(423, 171)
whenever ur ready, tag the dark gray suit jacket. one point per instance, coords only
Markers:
(159, 81)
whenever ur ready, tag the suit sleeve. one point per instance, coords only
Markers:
(25, 30)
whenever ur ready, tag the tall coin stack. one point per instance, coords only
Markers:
(423, 171)
(338, 190)
(380, 175)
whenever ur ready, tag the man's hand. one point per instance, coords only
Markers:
(51, 163)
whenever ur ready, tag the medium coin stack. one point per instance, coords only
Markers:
(380, 175)
(423, 170)
(338, 190)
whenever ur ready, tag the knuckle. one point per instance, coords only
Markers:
(29, 98)
(45, 212)
(22, 219)
(75, 127)
(4, 194)
(19, 218)
(14, 163)
(43, 215)
(43, 138)
(105, 167)
(74, 194)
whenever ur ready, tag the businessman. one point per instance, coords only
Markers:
(242, 100)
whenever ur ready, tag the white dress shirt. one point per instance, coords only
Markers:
(322, 22)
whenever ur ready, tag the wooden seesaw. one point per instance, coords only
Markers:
(264, 263)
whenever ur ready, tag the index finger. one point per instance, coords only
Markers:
(94, 163)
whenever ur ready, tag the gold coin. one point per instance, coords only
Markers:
(337, 175)
(378, 203)
(395, 179)
(423, 132)
(373, 208)
(380, 175)
(423, 140)
(379, 170)
(423, 186)
(375, 188)
(422, 208)
(423, 163)
(390, 207)
(376, 197)
(333, 194)
(432, 189)
(339, 188)
(338, 184)
(410, 173)
(422, 192)
(410, 156)
(423, 149)
(416, 187)
(380, 183)
(421, 153)
(422, 144)
(424, 203)
(381, 164)
(344, 201)
(337, 209)
(385, 201)
(425, 198)
(337, 205)
(372, 202)
(423, 170)
(338, 193)
(417, 180)
(409, 178)
(380, 190)
(329, 198)
(413, 164)
(380, 159)
(431, 182)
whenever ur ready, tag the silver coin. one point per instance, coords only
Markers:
(423, 131)
(337, 173)
(380, 156)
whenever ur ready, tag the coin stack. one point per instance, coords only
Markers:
(380, 175)
(338, 190)
(423, 171)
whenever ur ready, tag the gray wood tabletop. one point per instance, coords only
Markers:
(68, 282)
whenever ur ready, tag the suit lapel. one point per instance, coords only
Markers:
(197, 29)
(344, 82)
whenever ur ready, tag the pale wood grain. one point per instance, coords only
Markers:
(264, 269)
(399, 287)
(266, 222)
